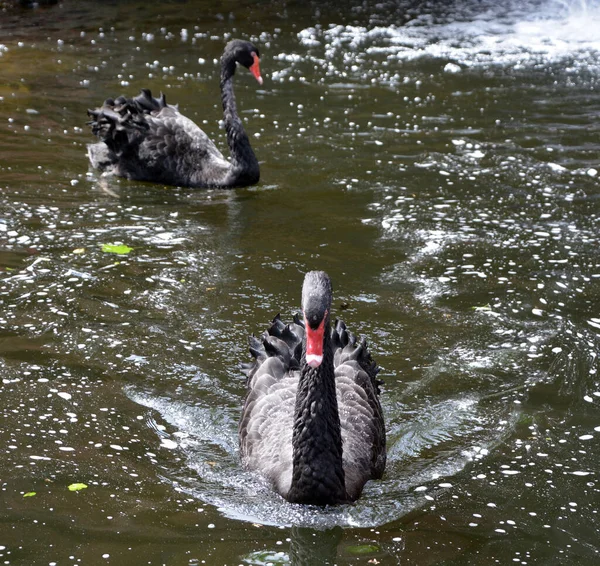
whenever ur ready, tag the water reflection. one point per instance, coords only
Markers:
(439, 161)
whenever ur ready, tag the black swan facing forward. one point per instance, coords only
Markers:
(145, 139)
(312, 422)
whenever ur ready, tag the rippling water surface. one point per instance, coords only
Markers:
(440, 160)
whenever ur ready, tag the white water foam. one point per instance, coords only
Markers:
(205, 439)
(474, 34)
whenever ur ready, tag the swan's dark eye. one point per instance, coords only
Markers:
(315, 317)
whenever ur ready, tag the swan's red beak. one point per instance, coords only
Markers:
(314, 343)
(255, 68)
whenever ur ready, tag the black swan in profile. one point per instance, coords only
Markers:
(312, 422)
(145, 139)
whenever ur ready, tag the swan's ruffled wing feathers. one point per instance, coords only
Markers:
(266, 429)
(292, 334)
(274, 346)
(117, 128)
(266, 424)
(347, 347)
(361, 417)
(363, 431)
(280, 340)
(149, 140)
(145, 103)
(122, 122)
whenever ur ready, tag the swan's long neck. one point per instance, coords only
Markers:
(318, 475)
(245, 168)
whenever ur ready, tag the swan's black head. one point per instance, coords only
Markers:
(244, 53)
(316, 304)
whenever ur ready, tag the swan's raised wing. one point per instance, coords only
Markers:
(150, 140)
(266, 428)
(266, 424)
(361, 417)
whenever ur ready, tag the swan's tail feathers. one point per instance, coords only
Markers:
(147, 104)
(100, 156)
(122, 123)
(119, 127)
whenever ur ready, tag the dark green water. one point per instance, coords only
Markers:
(438, 160)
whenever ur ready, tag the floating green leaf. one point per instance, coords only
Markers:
(120, 249)
(483, 308)
(77, 486)
(362, 549)
(29, 494)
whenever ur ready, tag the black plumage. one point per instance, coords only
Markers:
(146, 139)
(316, 433)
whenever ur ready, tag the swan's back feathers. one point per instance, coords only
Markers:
(346, 348)
(361, 417)
(267, 417)
(149, 140)
(281, 340)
